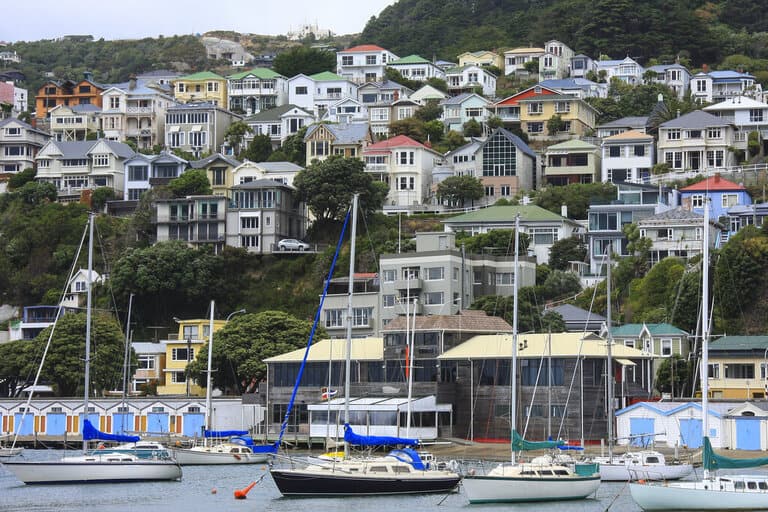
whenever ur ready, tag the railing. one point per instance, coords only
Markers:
(681, 175)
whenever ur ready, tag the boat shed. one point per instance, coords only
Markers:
(747, 426)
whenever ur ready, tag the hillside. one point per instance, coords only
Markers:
(704, 31)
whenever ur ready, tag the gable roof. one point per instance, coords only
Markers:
(202, 75)
(396, 141)
(678, 214)
(207, 161)
(573, 314)
(739, 343)
(347, 133)
(736, 103)
(22, 124)
(573, 144)
(273, 114)
(627, 122)
(326, 76)
(713, 184)
(467, 321)
(410, 59)
(461, 98)
(655, 329)
(514, 139)
(695, 119)
(257, 72)
(364, 48)
(528, 213)
(628, 135)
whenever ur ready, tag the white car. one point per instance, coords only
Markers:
(291, 244)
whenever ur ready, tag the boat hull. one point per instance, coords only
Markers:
(299, 483)
(10, 452)
(696, 496)
(624, 472)
(192, 457)
(509, 489)
(60, 472)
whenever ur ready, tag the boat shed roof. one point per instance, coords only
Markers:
(363, 349)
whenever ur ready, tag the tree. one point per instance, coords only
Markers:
(566, 250)
(431, 111)
(240, 347)
(38, 192)
(235, 135)
(457, 190)
(410, 127)
(576, 197)
(304, 60)
(673, 376)
(530, 314)
(472, 128)
(193, 182)
(560, 284)
(555, 124)
(20, 179)
(100, 197)
(294, 149)
(259, 149)
(327, 187)
(500, 240)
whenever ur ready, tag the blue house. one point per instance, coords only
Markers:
(723, 195)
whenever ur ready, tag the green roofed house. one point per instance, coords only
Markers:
(318, 92)
(738, 367)
(204, 86)
(256, 90)
(572, 161)
(418, 68)
(543, 226)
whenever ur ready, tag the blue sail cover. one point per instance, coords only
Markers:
(358, 440)
(220, 434)
(256, 448)
(90, 433)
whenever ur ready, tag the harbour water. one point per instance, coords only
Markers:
(211, 488)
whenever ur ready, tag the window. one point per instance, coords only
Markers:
(477, 277)
(301, 90)
(543, 236)
(84, 89)
(435, 273)
(535, 127)
(603, 221)
(433, 298)
(739, 371)
(666, 347)
(673, 135)
(505, 278)
(715, 158)
(763, 372)
(535, 108)
(410, 272)
(730, 200)
(249, 222)
(674, 159)
(614, 151)
(713, 133)
(697, 201)
(146, 362)
(639, 150)
(370, 60)
(562, 106)
(405, 157)
(361, 317)
(346, 60)
(182, 354)
(334, 318)
(218, 176)
(489, 190)
(387, 301)
(114, 102)
(389, 275)
(694, 134)
(714, 370)
(100, 160)
(664, 234)
(755, 115)
(505, 190)
(178, 377)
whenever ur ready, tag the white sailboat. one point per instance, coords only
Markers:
(400, 472)
(216, 451)
(100, 467)
(636, 465)
(538, 480)
(712, 492)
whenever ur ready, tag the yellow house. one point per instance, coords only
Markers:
(220, 171)
(578, 117)
(191, 338)
(205, 86)
(737, 367)
(482, 58)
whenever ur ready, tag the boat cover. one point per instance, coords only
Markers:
(409, 456)
(221, 434)
(359, 440)
(520, 444)
(90, 432)
(711, 460)
(257, 448)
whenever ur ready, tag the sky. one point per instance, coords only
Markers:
(33, 20)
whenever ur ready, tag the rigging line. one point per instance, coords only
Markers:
(533, 395)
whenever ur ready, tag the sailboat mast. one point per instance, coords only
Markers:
(208, 403)
(348, 354)
(126, 355)
(609, 362)
(88, 288)
(412, 345)
(704, 370)
(513, 404)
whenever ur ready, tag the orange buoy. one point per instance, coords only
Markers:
(214, 491)
(241, 494)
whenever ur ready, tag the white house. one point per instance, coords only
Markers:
(282, 172)
(279, 123)
(555, 63)
(414, 67)
(470, 77)
(316, 93)
(142, 171)
(627, 70)
(697, 140)
(256, 90)
(363, 63)
(746, 114)
(627, 156)
(716, 86)
(19, 144)
(675, 76)
(515, 59)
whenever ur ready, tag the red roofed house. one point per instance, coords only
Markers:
(406, 166)
(364, 63)
(722, 193)
(508, 109)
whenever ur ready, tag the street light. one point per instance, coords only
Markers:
(235, 313)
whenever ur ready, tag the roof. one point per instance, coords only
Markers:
(395, 142)
(26, 126)
(273, 114)
(627, 122)
(677, 214)
(461, 98)
(571, 313)
(467, 321)
(262, 183)
(348, 133)
(739, 343)
(145, 347)
(563, 344)
(257, 72)
(279, 166)
(363, 349)
(567, 83)
(528, 213)
(526, 50)
(654, 329)
(79, 149)
(628, 135)
(728, 74)
(364, 48)
(326, 76)
(716, 409)
(205, 162)
(202, 75)
(713, 184)
(410, 59)
(695, 119)
(573, 144)
(514, 139)
(736, 103)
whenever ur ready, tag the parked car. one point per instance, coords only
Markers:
(291, 244)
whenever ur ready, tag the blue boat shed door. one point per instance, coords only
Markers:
(193, 424)
(122, 423)
(641, 431)
(748, 433)
(56, 423)
(27, 427)
(157, 422)
(690, 432)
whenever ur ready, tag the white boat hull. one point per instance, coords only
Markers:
(10, 452)
(699, 495)
(63, 472)
(625, 472)
(191, 457)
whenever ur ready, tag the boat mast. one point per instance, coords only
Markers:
(126, 360)
(513, 404)
(704, 369)
(88, 287)
(609, 363)
(348, 358)
(208, 403)
(410, 368)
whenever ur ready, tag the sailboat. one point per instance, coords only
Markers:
(712, 492)
(102, 467)
(634, 465)
(402, 471)
(221, 447)
(541, 479)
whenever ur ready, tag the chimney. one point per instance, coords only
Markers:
(717, 178)
(131, 82)
(704, 68)
(564, 210)
(88, 76)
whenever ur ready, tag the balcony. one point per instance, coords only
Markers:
(409, 284)
(378, 168)
(139, 110)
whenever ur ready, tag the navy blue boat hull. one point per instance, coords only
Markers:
(305, 485)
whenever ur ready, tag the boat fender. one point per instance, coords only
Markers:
(101, 446)
(641, 482)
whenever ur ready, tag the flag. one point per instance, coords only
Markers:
(328, 394)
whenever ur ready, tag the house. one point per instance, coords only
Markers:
(161, 79)
(578, 87)
(482, 58)
(346, 140)
(74, 167)
(746, 215)
(506, 165)
(675, 76)
(279, 123)
(34, 319)
(197, 128)
(316, 93)
(746, 424)
(677, 233)
(515, 59)
(577, 319)
(378, 98)
(471, 78)
(405, 165)
(633, 203)
(627, 156)
(625, 124)
(180, 350)
(220, 171)
(363, 63)
(20, 143)
(738, 367)
(577, 117)
(457, 110)
(697, 140)
(543, 227)
(261, 213)
(365, 306)
(723, 194)
(747, 115)
(426, 94)
(142, 172)
(67, 92)
(75, 296)
(555, 63)
(508, 109)
(661, 340)
(627, 70)
(75, 123)
(572, 161)
(414, 67)
(205, 87)
(200, 221)
(258, 89)
(716, 86)
(582, 65)
(462, 160)
(346, 111)
(135, 111)
(13, 95)
(281, 172)
(150, 362)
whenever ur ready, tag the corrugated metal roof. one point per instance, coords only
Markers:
(363, 349)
